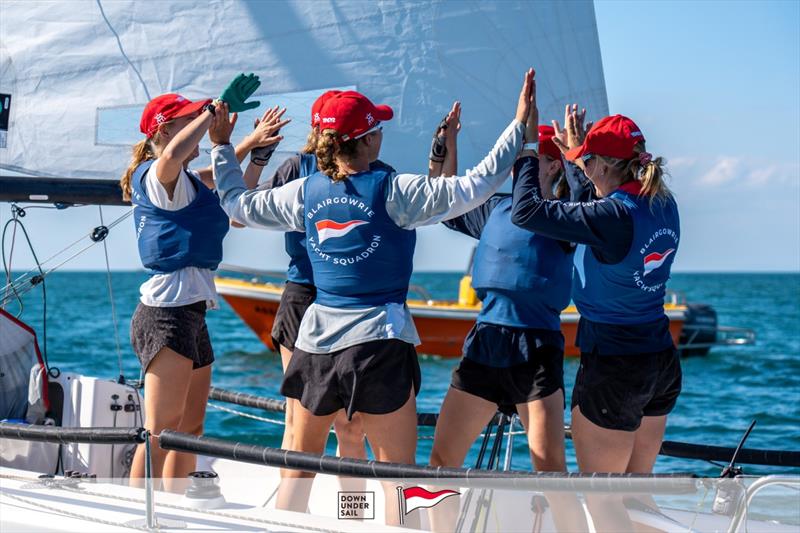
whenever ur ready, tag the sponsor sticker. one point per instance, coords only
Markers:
(354, 505)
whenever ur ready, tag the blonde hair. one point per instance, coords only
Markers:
(329, 147)
(650, 172)
(311, 141)
(144, 150)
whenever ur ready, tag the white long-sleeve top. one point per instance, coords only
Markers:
(412, 200)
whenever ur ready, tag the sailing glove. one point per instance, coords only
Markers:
(240, 89)
(438, 148)
(261, 155)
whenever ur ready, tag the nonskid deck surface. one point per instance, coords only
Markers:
(27, 505)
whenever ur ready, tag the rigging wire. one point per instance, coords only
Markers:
(16, 214)
(22, 284)
(97, 234)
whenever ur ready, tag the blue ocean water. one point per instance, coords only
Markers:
(722, 392)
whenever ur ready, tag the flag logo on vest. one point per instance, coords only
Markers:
(654, 260)
(419, 498)
(328, 229)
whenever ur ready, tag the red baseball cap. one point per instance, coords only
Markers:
(546, 144)
(352, 114)
(167, 107)
(613, 136)
(316, 107)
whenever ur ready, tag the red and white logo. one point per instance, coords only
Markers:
(654, 260)
(419, 498)
(328, 229)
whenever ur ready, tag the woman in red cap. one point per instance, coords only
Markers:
(630, 376)
(514, 355)
(299, 291)
(180, 226)
(355, 348)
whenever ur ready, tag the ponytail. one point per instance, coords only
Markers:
(329, 148)
(142, 151)
(647, 170)
(650, 172)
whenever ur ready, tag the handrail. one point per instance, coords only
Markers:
(669, 448)
(61, 435)
(341, 466)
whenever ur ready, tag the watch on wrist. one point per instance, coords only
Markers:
(210, 108)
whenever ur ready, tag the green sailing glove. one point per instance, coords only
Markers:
(240, 89)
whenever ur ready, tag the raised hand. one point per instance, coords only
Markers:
(239, 90)
(266, 128)
(265, 137)
(222, 125)
(524, 102)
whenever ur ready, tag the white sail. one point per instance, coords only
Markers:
(79, 71)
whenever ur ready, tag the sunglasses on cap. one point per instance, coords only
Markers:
(373, 129)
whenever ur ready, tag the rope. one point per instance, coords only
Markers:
(79, 516)
(111, 297)
(16, 214)
(282, 423)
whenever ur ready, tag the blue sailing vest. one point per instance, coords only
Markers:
(360, 257)
(523, 278)
(631, 291)
(295, 241)
(172, 240)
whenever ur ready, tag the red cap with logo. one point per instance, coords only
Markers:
(546, 144)
(352, 114)
(316, 107)
(167, 107)
(613, 136)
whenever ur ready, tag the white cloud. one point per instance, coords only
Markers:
(722, 171)
(733, 171)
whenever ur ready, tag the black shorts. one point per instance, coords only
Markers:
(182, 329)
(540, 375)
(374, 378)
(295, 300)
(616, 391)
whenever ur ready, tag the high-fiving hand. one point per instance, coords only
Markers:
(239, 90)
(222, 125)
(574, 131)
(527, 97)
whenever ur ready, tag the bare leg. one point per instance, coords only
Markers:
(543, 420)
(166, 385)
(461, 419)
(647, 444)
(393, 438)
(178, 465)
(645, 452)
(286, 443)
(603, 450)
(310, 435)
(350, 436)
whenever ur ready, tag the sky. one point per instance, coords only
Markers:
(715, 87)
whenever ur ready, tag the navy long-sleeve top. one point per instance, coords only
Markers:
(603, 224)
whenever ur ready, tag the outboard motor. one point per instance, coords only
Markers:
(699, 330)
